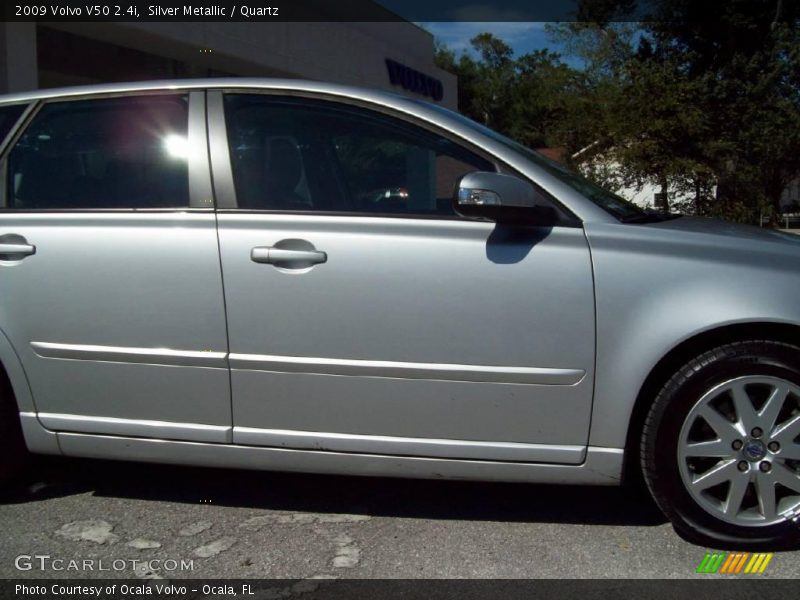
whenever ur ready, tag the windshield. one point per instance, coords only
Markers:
(622, 209)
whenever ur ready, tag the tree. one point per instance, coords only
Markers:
(534, 98)
(551, 103)
(700, 96)
(744, 67)
(708, 97)
(484, 85)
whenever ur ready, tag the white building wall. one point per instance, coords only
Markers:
(645, 194)
(791, 195)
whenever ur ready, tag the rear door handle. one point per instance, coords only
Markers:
(21, 249)
(290, 259)
(15, 247)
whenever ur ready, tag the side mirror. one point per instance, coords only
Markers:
(502, 198)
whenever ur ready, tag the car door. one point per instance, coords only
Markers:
(109, 266)
(365, 316)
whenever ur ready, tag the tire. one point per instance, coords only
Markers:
(718, 494)
(13, 452)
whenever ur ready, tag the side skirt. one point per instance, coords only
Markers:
(603, 466)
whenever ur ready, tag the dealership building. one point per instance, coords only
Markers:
(395, 56)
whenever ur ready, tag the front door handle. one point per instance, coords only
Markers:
(288, 259)
(15, 247)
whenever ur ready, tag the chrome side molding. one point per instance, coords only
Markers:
(156, 356)
(313, 365)
(406, 370)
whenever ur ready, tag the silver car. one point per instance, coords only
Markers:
(221, 273)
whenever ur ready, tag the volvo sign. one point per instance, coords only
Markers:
(414, 81)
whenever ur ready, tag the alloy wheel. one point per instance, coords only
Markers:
(739, 451)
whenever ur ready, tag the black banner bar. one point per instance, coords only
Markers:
(707, 588)
(352, 10)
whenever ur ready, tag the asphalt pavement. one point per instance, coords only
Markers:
(122, 520)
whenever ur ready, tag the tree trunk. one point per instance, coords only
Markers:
(775, 202)
(698, 209)
(664, 194)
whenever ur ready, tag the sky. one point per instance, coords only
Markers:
(523, 37)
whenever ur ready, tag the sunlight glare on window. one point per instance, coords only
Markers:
(177, 146)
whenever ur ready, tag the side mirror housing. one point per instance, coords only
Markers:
(502, 198)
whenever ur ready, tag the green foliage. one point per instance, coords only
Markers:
(534, 98)
(705, 99)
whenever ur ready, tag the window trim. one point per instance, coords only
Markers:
(199, 175)
(222, 173)
(22, 120)
(201, 193)
(219, 152)
(10, 140)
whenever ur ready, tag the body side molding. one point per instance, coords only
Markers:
(159, 356)
(312, 365)
(406, 370)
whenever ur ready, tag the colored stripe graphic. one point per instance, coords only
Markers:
(711, 563)
(732, 558)
(738, 562)
(733, 563)
(765, 562)
(760, 562)
(754, 563)
(704, 563)
(741, 562)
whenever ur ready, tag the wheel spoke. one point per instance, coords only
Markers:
(786, 477)
(790, 452)
(720, 473)
(765, 488)
(786, 432)
(733, 504)
(711, 449)
(724, 429)
(772, 407)
(745, 412)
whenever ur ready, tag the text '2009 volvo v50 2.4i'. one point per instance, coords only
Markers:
(299, 276)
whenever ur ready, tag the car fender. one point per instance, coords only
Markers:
(655, 291)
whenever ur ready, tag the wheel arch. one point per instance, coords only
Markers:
(36, 437)
(679, 356)
(12, 370)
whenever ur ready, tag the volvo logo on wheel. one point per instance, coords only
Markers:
(755, 450)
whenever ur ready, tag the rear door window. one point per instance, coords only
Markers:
(113, 153)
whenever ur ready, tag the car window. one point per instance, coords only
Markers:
(112, 153)
(9, 116)
(297, 154)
